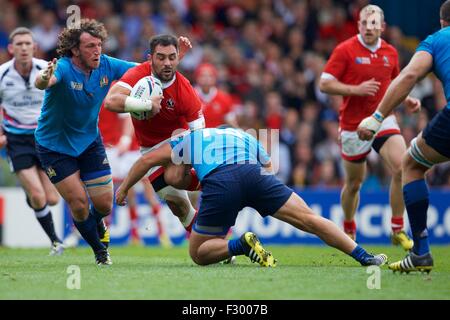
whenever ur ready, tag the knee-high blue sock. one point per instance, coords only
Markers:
(360, 255)
(416, 201)
(235, 247)
(88, 230)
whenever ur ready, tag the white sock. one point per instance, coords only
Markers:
(42, 212)
(189, 217)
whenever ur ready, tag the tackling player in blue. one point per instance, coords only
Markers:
(234, 171)
(67, 138)
(430, 147)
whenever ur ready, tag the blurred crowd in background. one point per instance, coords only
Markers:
(269, 56)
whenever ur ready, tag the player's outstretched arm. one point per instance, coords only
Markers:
(45, 77)
(160, 156)
(397, 92)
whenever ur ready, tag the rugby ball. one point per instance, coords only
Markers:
(147, 87)
(144, 89)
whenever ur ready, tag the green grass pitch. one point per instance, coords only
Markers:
(303, 272)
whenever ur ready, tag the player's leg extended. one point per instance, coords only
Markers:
(99, 186)
(95, 172)
(64, 172)
(392, 152)
(73, 191)
(354, 177)
(416, 162)
(297, 213)
(180, 205)
(30, 180)
(51, 193)
(207, 249)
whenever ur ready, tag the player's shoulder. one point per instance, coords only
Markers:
(63, 62)
(349, 44)
(387, 46)
(40, 63)
(181, 79)
(5, 66)
(224, 96)
(440, 35)
(139, 71)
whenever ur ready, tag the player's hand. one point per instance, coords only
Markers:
(3, 140)
(368, 128)
(121, 197)
(413, 105)
(48, 72)
(185, 45)
(156, 105)
(368, 88)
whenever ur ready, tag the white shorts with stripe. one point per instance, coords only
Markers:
(354, 149)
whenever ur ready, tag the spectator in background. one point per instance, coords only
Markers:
(217, 105)
(46, 34)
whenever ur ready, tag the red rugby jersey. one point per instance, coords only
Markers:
(180, 106)
(352, 63)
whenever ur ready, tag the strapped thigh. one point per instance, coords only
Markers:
(98, 184)
(417, 154)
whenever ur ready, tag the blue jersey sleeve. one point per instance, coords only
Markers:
(261, 153)
(119, 67)
(427, 45)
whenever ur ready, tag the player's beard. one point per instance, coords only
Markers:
(89, 66)
(165, 76)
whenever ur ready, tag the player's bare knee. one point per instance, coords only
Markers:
(37, 198)
(79, 208)
(353, 186)
(197, 258)
(53, 199)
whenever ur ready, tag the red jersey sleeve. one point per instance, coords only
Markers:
(133, 75)
(337, 64)
(192, 106)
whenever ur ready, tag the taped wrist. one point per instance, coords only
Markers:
(43, 75)
(378, 116)
(137, 105)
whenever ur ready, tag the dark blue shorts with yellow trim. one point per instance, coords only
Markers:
(228, 189)
(92, 163)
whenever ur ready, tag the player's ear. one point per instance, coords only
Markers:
(383, 26)
(75, 51)
(10, 49)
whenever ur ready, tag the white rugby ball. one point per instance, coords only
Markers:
(147, 87)
(144, 89)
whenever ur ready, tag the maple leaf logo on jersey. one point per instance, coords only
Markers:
(386, 61)
(170, 104)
